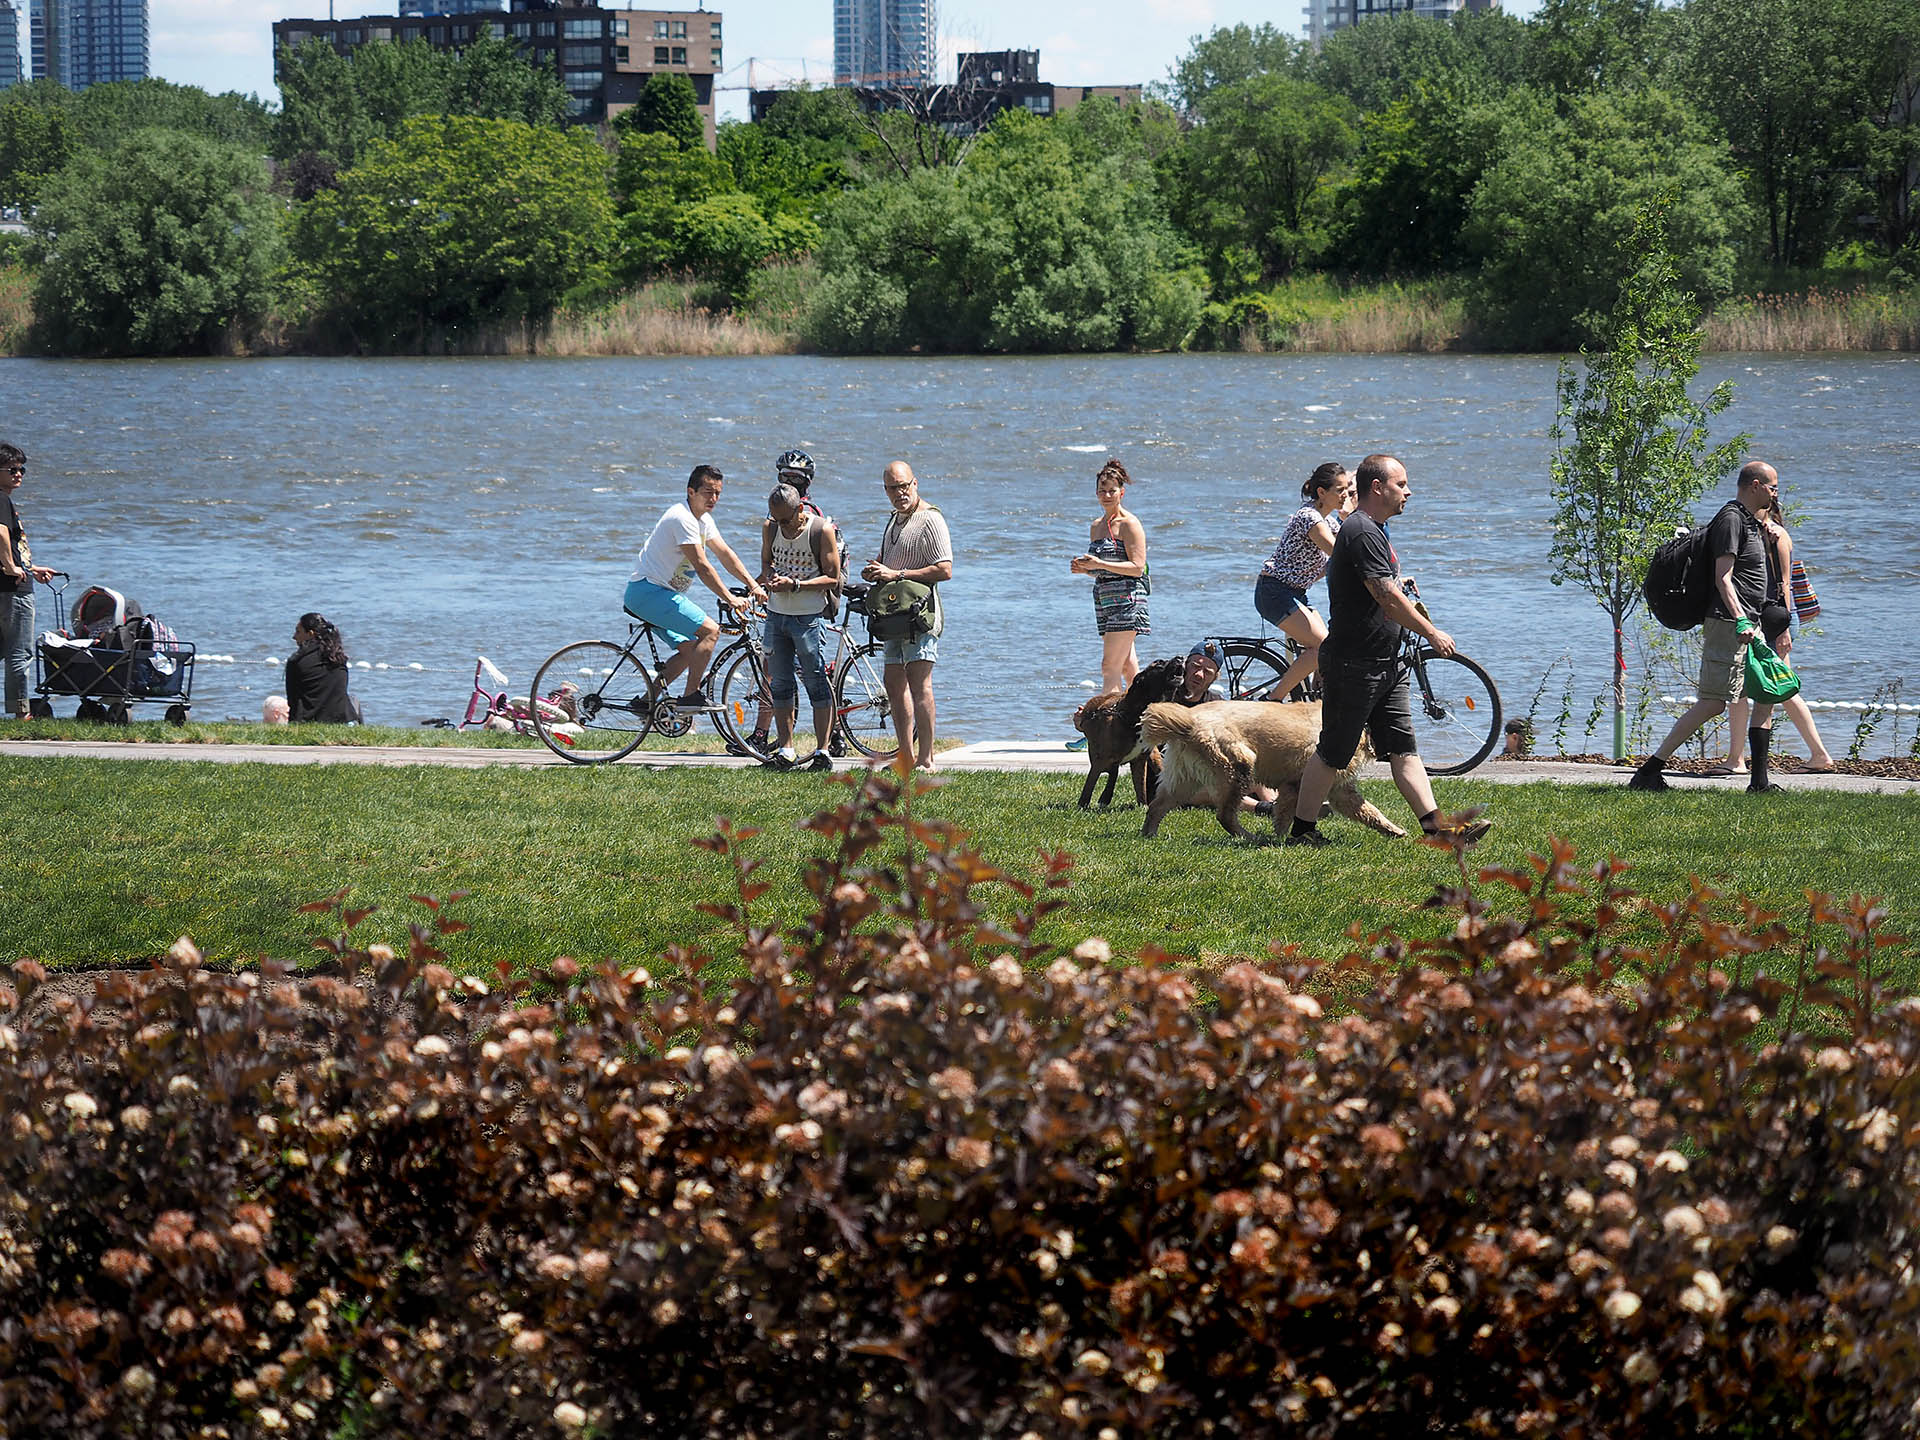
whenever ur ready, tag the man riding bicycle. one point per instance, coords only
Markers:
(675, 552)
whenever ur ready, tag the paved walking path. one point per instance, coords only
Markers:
(1034, 755)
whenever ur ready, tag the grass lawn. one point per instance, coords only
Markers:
(114, 860)
(700, 741)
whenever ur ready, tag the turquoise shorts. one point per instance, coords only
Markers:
(668, 611)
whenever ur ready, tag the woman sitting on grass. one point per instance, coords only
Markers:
(317, 674)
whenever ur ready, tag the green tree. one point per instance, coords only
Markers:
(1042, 239)
(104, 114)
(667, 106)
(1631, 445)
(35, 140)
(1394, 57)
(656, 179)
(1888, 137)
(155, 247)
(333, 105)
(1553, 213)
(1230, 55)
(1579, 46)
(1405, 209)
(724, 239)
(1784, 77)
(1258, 168)
(458, 222)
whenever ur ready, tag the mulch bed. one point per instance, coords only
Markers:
(1889, 767)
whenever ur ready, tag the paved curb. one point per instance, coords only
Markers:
(1002, 755)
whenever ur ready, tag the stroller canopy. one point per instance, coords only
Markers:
(99, 609)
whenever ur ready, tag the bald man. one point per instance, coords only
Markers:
(915, 547)
(1738, 547)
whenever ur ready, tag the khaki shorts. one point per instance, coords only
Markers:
(1723, 660)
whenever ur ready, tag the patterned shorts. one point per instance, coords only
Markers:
(1120, 608)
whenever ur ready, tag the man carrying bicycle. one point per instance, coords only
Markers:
(1366, 690)
(675, 552)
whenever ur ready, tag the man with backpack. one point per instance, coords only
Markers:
(795, 468)
(1736, 549)
(800, 567)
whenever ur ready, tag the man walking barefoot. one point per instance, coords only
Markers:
(1366, 690)
(915, 547)
(1739, 551)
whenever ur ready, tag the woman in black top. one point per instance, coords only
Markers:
(317, 673)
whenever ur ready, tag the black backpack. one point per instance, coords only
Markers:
(1679, 583)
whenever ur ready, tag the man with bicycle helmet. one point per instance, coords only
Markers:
(796, 468)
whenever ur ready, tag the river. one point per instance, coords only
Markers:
(437, 509)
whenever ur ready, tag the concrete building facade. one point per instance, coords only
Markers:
(883, 43)
(603, 57)
(1326, 16)
(88, 42)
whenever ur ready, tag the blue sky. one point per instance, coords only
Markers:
(227, 44)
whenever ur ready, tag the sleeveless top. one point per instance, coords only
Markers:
(1110, 589)
(793, 560)
(1296, 560)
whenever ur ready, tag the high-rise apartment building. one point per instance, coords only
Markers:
(10, 71)
(88, 42)
(885, 42)
(1326, 16)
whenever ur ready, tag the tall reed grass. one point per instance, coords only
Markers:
(660, 319)
(1818, 319)
(16, 309)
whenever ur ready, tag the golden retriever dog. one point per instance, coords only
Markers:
(1216, 752)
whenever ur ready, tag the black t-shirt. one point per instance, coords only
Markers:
(1357, 628)
(10, 518)
(1735, 532)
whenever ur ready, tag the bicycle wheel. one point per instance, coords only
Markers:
(1252, 670)
(612, 697)
(860, 702)
(1456, 712)
(741, 691)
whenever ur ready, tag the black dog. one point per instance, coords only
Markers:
(1112, 727)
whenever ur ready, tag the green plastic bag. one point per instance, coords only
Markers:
(1770, 679)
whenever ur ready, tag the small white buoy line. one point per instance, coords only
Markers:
(1681, 702)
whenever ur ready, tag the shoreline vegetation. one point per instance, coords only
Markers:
(1317, 314)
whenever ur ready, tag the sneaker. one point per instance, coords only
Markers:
(734, 747)
(1079, 742)
(837, 746)
(781, 759)
(1473, 834)
(757, 742)
(1770, 788)
(819, 760)
(1311, 838)
(1264, 809)
(695, 703)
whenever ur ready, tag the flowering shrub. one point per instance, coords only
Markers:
(908, 1171)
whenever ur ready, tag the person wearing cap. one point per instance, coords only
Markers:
(1203, 673)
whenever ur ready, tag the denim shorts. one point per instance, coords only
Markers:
(795, 640)
(1275, 599)
(905, 652)
(666, 610)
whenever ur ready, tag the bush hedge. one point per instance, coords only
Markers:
(906, 1171)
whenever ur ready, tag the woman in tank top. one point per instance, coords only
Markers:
(1116, 558)
(1298, 561)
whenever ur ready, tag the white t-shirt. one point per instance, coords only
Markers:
(661, 559)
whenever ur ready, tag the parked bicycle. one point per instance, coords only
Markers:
(1456, 706)
(863, 717)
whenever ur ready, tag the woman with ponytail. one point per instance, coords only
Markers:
(317, 674)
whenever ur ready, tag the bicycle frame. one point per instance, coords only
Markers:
(495, 701)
